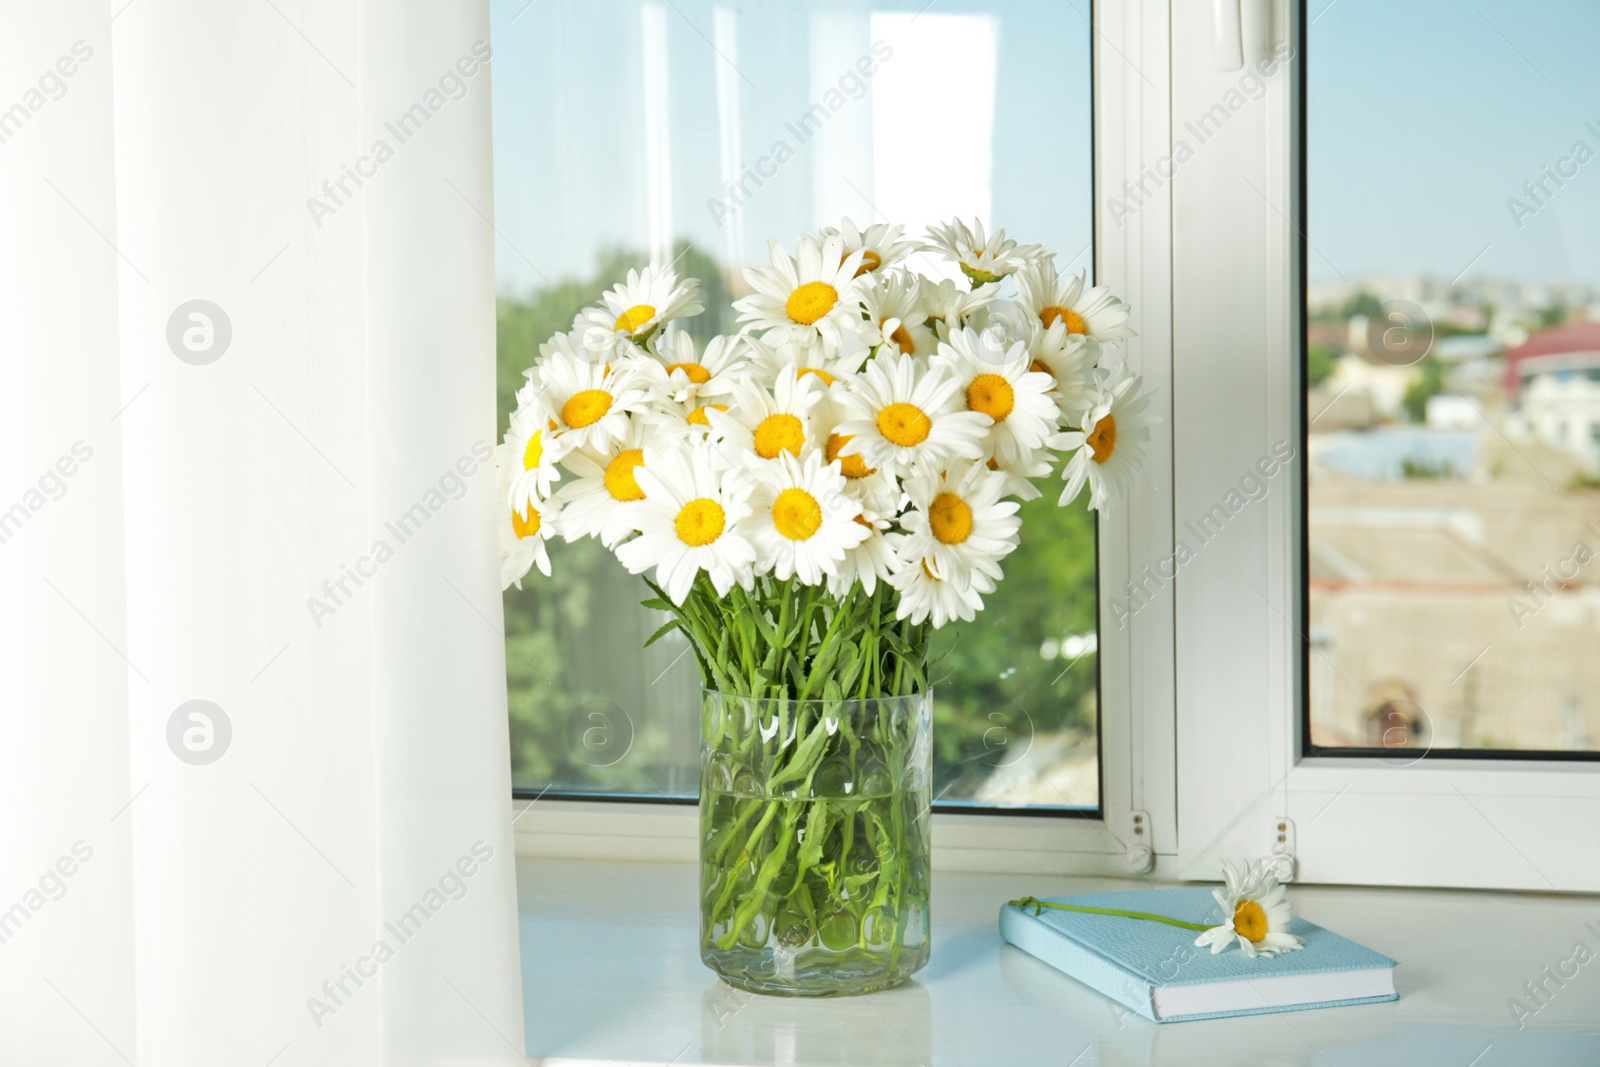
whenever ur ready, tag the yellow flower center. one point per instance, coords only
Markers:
(1249, 921)
(1049, 315)
(697, 417)
(810, 302)
(779, 433)
(629, 321)
(901, 338)
(619, 475)
(693, 371)
(904, 424)
(992, 395)
(699, 522)
(950, 519)
(525, 527)
(851, 466)
(532, 454)
(796, 514)
(585, 407)
(1102, 440)
(870, 261)
(827, 379)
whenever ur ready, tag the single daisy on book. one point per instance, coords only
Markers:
(1141, 949)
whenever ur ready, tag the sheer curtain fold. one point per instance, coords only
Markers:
(251, 639)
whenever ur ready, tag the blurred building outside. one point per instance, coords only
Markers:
(1454, 519)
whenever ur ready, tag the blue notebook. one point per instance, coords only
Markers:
(1157, 970)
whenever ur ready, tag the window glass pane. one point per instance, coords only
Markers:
(691, 132)
(1453, 376)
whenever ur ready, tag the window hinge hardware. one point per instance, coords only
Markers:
(1141, 853)
(1282, 858)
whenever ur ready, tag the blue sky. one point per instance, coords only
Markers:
(979, 107)
(616, 121)
(1424, 117)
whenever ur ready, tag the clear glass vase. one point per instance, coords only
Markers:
(814, 842)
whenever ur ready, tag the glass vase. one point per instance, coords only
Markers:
(814, 842)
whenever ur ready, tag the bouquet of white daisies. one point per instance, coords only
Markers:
(811, 497)
(854, 456)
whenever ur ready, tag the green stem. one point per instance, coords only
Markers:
(805, 649)
(1036, 905)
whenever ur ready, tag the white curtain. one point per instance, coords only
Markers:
(254, 777)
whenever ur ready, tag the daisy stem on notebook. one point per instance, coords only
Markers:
(1037, 905)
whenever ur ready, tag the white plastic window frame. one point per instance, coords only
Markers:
(1237, 332)
(1138, 825)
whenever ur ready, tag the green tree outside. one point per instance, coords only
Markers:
(1319, 364)
(1428, 383)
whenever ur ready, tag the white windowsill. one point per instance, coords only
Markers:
(611, 975)
(597, 831)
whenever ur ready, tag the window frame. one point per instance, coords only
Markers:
(1136, 829)
(1527, 822)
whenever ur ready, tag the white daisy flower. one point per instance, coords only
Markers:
(523, 533)
(994, 378)
(896, 315)
(801, 519)
(880, 244)
(878, 493)
(1256, 913)
(876, 490)
(905, 415)
(683, 376)
(950, 306)
(817, 363)
(532, 450)
(851, 465)
(869, 426)
(673, 421)
(983, 259)
(827, 362)
(926, 592)
(588, 403)
(870, 561)
(688, 521)
(767, 424)
(814, 294)
(631, 312)
(1110, 444)
(602, 481)
(1069, 359)
(958, 521)
(1019, 476)
(1095, 313)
